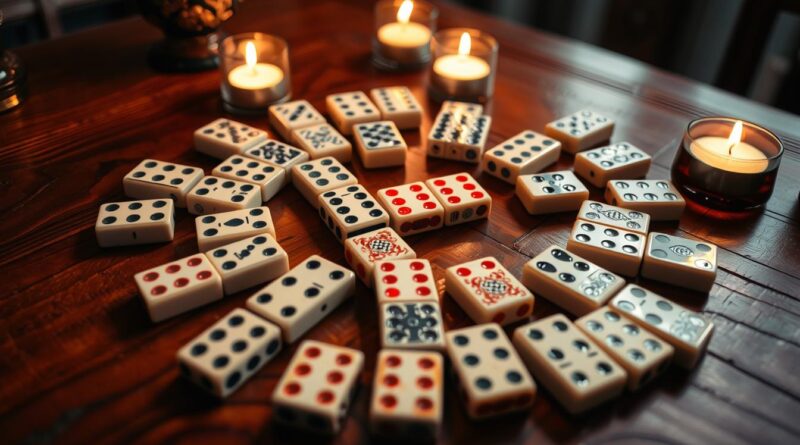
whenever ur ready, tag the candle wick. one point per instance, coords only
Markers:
(730, 149)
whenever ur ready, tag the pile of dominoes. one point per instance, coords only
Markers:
(624, 335)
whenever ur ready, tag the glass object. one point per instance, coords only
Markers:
(191, 32)
(403, 32)
(464, 65)
(255, 72)
(13, 79)
(726, 165)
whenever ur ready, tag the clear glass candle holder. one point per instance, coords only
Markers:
(715, 174)
(464, 65)
(255, 72)
(403, 30)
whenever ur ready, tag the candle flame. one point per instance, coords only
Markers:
(735, 137)
(250, 55)
(465, 45)
(404, 12)
(736, 134)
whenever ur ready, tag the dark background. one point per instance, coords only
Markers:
(748, 47)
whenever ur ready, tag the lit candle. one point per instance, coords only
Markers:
(250, 87)
(399, 42)
(253, 75)
(731, 154)
(404, 33)
(462, 66)
(736, 173)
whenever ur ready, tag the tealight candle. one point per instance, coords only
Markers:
(464, 65)
(727, 164)
(461, 66)
(261, 80)
(403, 34)
(254, 75)
(729, 154)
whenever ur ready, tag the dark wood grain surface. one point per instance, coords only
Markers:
(81, 363)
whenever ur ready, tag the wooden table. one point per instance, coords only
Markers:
(81, 362)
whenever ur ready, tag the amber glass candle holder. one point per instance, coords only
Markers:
(13, 78)
(713, 173)
(255, 72)
(13, 81)
(464, 65)
(402, 38)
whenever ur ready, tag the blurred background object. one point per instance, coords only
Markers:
(13, 78)
(191, 32)
(748, 47)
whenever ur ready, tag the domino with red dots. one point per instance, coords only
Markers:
(179, 286)
(488, 292)
(405, 281)
(363, 251)
(462, 197)
(407, 397)
(317, 387)
(412, 208)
